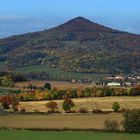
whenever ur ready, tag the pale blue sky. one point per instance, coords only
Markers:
(21, 16)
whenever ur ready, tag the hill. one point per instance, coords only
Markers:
(79, 46)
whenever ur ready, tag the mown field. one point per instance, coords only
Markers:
(102, 103)
(32, 135)
(54, 84)
(58, 121)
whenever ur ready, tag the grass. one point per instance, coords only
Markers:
(7, 90)
(103, 103)
(59, 74)
(54, 84)
(58, 121)
(31, 135)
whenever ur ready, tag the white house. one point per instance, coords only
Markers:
(114, 84)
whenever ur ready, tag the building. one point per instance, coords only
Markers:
(114, 84)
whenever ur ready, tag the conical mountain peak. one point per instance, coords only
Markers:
(81, 24)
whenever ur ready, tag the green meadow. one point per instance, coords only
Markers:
(42, 135)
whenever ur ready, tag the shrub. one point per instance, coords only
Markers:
(123, 110)
(6, 82)
(47, 95)
(6, 101)
(83, 110)
(97, 111)
(1, 109)
(47, 86)
(132, 121)
(100, 92)
(80, 92)
(107, 91)
(111, 125)
(72, 93)
(30, 86)
(36, 111)
(115, 106)
(67, 104)
(72, 111)
(55, 95)
(15, 103)
(21, 98)
(87, 92)
(52, 106)
(15, 109)
(22, 110)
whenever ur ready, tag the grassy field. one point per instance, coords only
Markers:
(31, 135)
(54, 84)
(58, 121)
(7, 90)
(103, 103)
(59, 74)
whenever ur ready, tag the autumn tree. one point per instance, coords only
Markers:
(6, 101)
(15, 103)
(67, 104)
(52, 106)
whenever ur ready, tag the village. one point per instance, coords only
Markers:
(115, 80)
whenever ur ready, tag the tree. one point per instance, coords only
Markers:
(111, 125)
(116, 106)
(6, 82)
(18, 77)
(87, 92)
(1, 109)
(67, 104)
(132, 121)
(6, 101)
(52, 106)
(47, 86)
(15, 103)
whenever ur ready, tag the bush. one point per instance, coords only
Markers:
(111, 125)
(36, 111)
(47, 86)
(15, 109)
(22, 110)
(15, 103)
(67, 104)
(115, 106)
(21, 98)
(97, 111)
(1, 109)
(72, 111)
(87, 92)
(132, 121)
(52, 106)
(83, 110)
(72, 93)
(53, 111)
(107, 91)
(123, 110)
(6, 101)
(6, 82)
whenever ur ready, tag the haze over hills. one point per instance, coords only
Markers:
(78, 45)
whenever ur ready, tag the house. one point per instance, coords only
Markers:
(128, 84)
(114, 84)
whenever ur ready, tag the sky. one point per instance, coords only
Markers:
(22, 16)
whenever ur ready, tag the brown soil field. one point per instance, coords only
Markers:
(75, 121)
(103, 103)
(55, 84)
